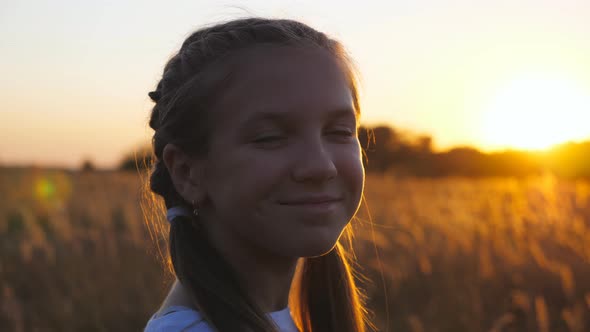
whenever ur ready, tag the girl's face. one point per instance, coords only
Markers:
(284, 171)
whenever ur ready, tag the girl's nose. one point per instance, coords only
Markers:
(314, 164)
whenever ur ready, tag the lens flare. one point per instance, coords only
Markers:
(51, 190)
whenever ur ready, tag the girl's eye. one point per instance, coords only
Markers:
(267, 142)
(268, 139)
(342, 132)
(343, 135)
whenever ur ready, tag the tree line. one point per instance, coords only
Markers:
(389, 150)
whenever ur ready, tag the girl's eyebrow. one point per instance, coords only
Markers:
(344, 112)
(288, 117)
(274, 116)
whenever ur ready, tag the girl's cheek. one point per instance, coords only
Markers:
(351, 158)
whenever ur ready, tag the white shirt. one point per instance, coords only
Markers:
(180, 318)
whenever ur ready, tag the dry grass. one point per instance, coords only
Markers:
(478, 255)
(75, 255)
(456, 254)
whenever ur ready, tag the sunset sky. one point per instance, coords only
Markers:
(74, 75)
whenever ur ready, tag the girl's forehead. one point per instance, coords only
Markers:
(284, 79)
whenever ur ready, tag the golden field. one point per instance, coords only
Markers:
(448, 254)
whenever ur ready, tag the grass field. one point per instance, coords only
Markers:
(445, 254)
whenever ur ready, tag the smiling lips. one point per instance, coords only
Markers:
(318, 200)
(319, 206)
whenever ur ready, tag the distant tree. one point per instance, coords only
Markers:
(464, 161)
(379, 144)
(570, 160)
(138, 159)
(425, 144)
(87, 166)
(387, 148)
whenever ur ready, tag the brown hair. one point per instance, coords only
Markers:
(324, 296)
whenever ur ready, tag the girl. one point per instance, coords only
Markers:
(259, 166)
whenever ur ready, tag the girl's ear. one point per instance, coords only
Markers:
(185, 173)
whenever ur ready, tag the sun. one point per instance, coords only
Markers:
(535, 112)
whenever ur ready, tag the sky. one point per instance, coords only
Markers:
(74, 75)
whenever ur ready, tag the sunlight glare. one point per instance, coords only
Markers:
(536, 112)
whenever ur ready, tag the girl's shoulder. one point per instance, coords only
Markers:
(177, 318)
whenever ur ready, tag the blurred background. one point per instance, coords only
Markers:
(476, 128)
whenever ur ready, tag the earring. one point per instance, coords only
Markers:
(195, 210)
